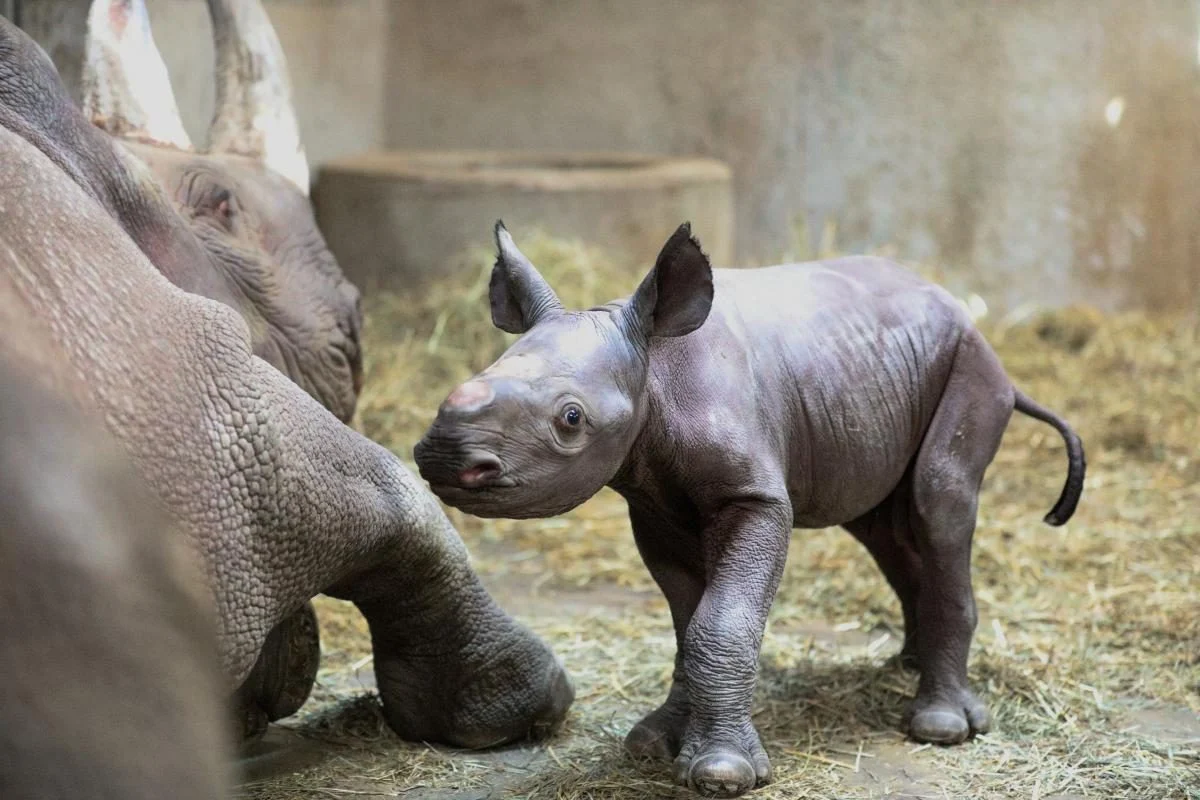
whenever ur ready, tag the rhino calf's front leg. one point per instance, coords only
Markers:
(745, 547)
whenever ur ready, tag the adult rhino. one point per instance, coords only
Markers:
(254, 242)
(89, 567)
(282, 500)
(244, 198)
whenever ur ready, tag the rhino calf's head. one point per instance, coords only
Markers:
(551, 421)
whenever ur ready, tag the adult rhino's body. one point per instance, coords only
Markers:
(243, 233)
(111, 688)
(282, 500)
(729, 407)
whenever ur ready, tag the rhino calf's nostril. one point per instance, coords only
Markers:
(481, 469)
(471, 395)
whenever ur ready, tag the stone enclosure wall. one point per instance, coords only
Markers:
(1040, 151)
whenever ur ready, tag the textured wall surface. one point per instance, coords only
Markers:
(971, 135)
(398, 218)
(335, 49)
(1037, 150)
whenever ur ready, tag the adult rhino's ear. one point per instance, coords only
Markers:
(675, 298)
(519, 295)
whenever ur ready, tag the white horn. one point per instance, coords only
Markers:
(254, 114)
(126, 90)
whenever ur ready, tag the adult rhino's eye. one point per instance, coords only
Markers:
(220, 205)
(572, 416)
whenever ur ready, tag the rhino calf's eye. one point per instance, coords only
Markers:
(571, 416)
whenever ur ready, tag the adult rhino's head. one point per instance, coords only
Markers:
(551, 421)
(246, 197)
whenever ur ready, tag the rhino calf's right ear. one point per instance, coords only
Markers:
(519, 295)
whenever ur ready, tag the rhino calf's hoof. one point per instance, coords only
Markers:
(718, 773)
(648, 742)
(660, 733)
(715, 765)
(949, 721)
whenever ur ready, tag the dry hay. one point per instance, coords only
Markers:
(1082, 627)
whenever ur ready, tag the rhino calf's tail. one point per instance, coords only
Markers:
(1077, 464)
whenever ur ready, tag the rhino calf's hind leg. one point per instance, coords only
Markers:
(960, 443)
(886, 533)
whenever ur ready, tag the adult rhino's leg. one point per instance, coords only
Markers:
(283, 675)
(673, 559)
(345, 517)
(961, 441)
(886, 532)
(450, 665)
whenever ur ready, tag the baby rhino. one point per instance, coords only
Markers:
(728, 407)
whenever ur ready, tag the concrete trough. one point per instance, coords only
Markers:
(396, 219)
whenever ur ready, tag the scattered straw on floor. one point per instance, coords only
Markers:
(1086, 633)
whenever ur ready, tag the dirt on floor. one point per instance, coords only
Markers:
(1087, 651)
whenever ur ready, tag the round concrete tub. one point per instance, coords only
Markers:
(396, 219)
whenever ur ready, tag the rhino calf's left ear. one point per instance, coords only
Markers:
(675, 297)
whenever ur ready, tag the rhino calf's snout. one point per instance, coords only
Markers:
(447, 463)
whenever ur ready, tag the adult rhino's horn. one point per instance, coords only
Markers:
(254, 115)
(126, 90)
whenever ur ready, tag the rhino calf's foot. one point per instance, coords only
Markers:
(722, 764)
(948, 719)
(659, 735)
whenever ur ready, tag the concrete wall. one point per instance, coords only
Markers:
(336, 54)
(969, 134)
(966, 133)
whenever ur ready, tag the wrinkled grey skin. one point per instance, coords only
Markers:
(728, 407)
(111, 686)
(281, 499)
(305, 318)
(267, 260)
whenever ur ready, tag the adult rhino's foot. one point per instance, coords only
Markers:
(502, 685)
(283, 675)
(948, 717)
(725, 764)
(660, 734)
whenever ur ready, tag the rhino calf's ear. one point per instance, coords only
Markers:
(519, 295)
(675, 297)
